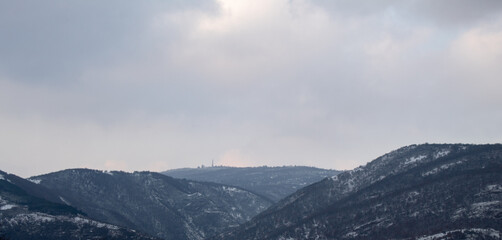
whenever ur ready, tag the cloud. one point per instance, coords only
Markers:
(56, 41)
(444, 14)
(175, 84)
(456, 13)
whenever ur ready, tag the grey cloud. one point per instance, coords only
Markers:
(453, 12)
(176, 82)
(56, 40)
(446, 13)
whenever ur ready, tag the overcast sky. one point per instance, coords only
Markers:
(156, 85)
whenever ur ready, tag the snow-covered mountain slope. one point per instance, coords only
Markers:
(26, 216)
(272, 182)
(154, 203)
(416, 191)
(471, 233)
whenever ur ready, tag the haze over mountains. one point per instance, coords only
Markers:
(274, 183)
(428, 191)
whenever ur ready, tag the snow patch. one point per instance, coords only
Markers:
(485, 232)
(413, 194)
(2, 177)
(484, 204)
(236, 215)
(81, 221)
(459, 213)
(441, 168)
(36, 181)
(196, 194)
(32, 217)
(414, 214)
(38, 217)
(441, 153)
(376, 222)
(7, 207)
(351, 235)
(479, 209)
(231, 189)
(495, 188)
(415, 159)
(64, 200)
(350, 185)
(483, 209)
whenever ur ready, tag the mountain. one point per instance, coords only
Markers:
(430, 191)
(27, 213)
(154, 203)
(272, 182)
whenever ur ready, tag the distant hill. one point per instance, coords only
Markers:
(429, 191)
(26, 213)
(154, 203)
(274, 183)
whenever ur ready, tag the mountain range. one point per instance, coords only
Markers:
(426, 192)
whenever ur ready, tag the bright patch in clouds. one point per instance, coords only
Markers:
(234, 158)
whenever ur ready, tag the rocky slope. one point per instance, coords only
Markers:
(272, 182)
(154, 203)
(25, 213)
(427, 191)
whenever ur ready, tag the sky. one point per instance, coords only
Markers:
(157, 85)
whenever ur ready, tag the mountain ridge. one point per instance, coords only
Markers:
(327, 209)
(154, 203)
(27, 216)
